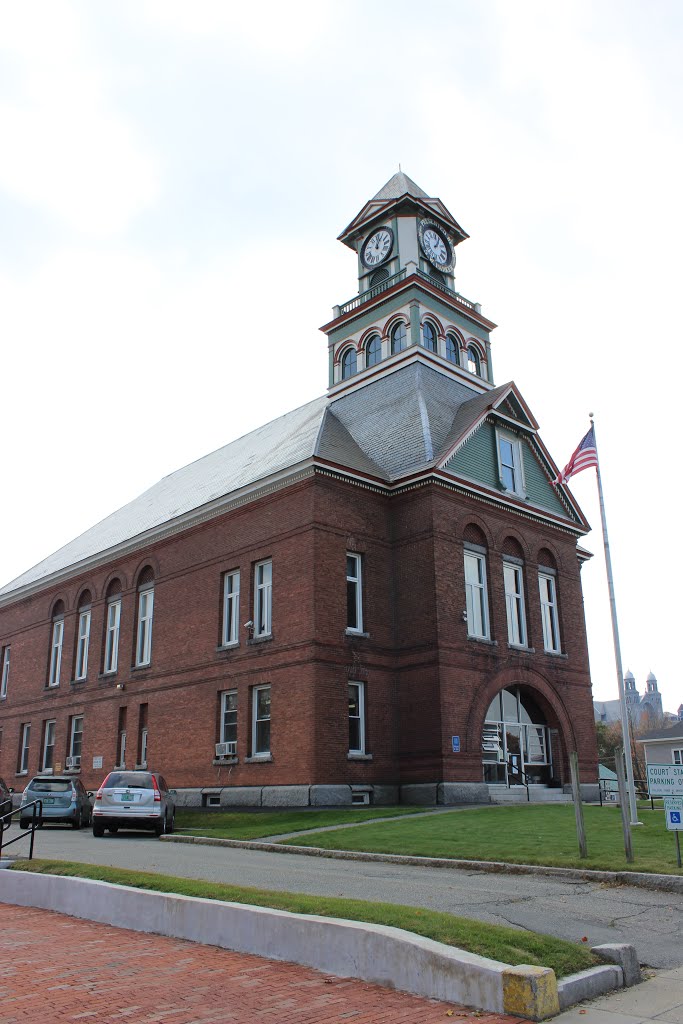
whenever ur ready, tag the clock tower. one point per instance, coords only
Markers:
(407, 306)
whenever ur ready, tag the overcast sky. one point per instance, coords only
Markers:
(173, 176)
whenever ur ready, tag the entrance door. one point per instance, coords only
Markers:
(514, 758)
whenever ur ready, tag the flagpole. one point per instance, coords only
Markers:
(625, 728)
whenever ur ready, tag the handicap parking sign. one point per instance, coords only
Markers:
(675, 817)
(673, 812)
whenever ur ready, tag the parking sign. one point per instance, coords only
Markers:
(673, 812)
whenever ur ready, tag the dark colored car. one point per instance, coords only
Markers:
(64, 800)
(5, 798)
(139, 799)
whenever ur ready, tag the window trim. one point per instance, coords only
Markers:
(231, 609)
(517, 468)
(549, 613)
(143, 640)
(263, 614)
(482, 588)
(396, 327)
(4, 678)
(476, 359)
(46, 732)
(111, 645)
(366, 348)
(357, 582)
(83, 644)
(225, 696)
(428, 325)
(349, 350)
(255, 720)
(24, 748)
(679, 751)
(56, 648)
(515, 600)
(453, 339)
(72, 734)
(360, 718)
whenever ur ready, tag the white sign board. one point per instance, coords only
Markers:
(665, 779)
(673, 812)
(97, 762)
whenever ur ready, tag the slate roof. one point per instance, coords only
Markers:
(675, 732)
(398, 186)
(393, 427)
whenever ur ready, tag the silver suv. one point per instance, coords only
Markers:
(140, 800)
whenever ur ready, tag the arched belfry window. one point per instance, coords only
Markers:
(379, 276)
(373, 350)
(473, 360)
(398, 338)
(452, 349)
(349, 363)
(428, 336)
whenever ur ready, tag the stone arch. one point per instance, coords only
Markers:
(474, 529)
(511, 542)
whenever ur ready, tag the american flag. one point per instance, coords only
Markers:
(585, 456)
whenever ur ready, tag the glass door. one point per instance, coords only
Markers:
(514, 754)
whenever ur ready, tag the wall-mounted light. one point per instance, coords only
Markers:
(120, 686)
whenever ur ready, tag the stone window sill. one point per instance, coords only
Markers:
(228, 647)
(357, 633)
(252, 641)
(556, 654)
(49, 688)
(352, 756)
(225, 761)
(104, 677)
(141, 668)
(259, 759)
(483, 640)
(522, 648)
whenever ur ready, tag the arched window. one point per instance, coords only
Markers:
(112, 627)
(428, 336)
(348, 363)
(473, 360)
(437, 276)
(452, 349)
(398, 338)
(143, 644)
(373, 350)
(83, 636)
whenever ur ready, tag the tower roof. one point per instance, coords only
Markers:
(400, 185)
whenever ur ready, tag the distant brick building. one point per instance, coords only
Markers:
(374, 597)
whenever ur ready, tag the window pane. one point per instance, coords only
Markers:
(373, 351)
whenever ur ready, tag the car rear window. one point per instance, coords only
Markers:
(50, 785)
(129, 780)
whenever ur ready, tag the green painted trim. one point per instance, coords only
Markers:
(489, 361)
(414, 322)
(331, 365)
(385, 309)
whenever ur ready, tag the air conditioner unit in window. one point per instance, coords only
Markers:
(226, 749)
(73, 762)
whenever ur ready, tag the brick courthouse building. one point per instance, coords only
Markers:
(374, 597)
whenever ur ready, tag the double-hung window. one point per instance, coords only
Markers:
(354, 593)
(510, 463)
(260, 733)
(551, 629)
(231, 608)
(111, 642)
(263, 598)
(476, 595)
(48, 746)
(82, 644)
(75, 742)
(514, 604)
(143, 647)
(56, 652)
(4, 678)
(678, 755)
(356, 718)
(24, 747)
(229, 720)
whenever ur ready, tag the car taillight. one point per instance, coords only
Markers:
(157, 794)
(98, 795)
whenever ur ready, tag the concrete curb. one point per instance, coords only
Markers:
(642, 879)
(374, 953)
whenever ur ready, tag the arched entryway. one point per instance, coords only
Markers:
(517, 740)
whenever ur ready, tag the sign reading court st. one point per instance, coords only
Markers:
(665, 779)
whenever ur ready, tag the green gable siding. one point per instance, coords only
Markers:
(478, 460)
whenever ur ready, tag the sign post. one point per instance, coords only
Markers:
(673, 812)
(623, 800)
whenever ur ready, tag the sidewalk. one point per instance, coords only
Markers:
(658, 999)
(55, 968)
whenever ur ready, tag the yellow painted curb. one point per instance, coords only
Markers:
(530, 992)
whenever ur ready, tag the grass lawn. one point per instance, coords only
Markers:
(505, 944)
(523, 834)
(255, 824)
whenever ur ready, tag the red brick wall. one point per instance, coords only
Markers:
(425, 680)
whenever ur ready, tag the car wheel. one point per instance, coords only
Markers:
(98, 831)
(160, 828)
(78, 821)
(23, 823)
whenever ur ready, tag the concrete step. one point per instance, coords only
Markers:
(537, 795)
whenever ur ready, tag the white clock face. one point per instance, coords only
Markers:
(377, 247)
(435, 247)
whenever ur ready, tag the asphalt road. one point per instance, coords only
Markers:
(652, 921)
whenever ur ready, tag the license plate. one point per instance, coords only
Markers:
(127, 798)
(48, 800)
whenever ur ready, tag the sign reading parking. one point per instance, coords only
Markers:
(665, 779)
(673, 812)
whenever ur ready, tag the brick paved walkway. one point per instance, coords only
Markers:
(58, 968)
